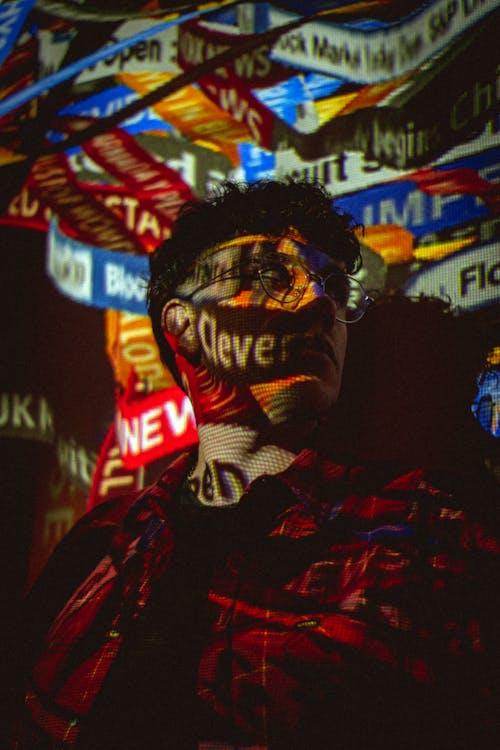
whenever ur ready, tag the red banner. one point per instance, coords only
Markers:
(111, 477)
(53, 182)
(254, 68)
(235, 98)
(28, 210)
(134, 212)
(159, 187)
(463, 180)
(152, 426)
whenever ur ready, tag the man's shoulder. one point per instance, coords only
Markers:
(434, 499)
(93, 534)
(102, 531)
(114, 511)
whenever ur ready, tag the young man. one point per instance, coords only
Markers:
(260, 595)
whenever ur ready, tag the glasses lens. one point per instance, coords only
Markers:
(282, 280)
(349, 296)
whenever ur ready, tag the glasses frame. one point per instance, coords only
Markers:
(309, 275)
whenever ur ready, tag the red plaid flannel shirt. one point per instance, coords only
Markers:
(331, 594)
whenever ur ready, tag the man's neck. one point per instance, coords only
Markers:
(231, 456)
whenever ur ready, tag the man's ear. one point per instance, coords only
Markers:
(178, 320)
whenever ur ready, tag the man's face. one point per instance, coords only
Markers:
(288, 349)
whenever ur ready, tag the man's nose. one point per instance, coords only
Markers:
(317, 304)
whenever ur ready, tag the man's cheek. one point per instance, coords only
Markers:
(233, 347)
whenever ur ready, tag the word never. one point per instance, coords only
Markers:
(239, 351)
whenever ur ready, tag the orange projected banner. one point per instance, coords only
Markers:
(131, 349)
(193, 114)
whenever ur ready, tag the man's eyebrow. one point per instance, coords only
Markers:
(331, 266)
(336, 266)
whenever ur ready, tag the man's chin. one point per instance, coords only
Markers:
(296, 397)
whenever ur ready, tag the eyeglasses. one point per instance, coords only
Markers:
(285, 279)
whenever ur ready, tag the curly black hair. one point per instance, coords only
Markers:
(268, 207)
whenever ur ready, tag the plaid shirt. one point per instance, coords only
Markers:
(332, 607)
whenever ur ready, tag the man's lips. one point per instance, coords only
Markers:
(303, 344)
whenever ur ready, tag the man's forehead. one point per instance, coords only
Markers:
(249, 245)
